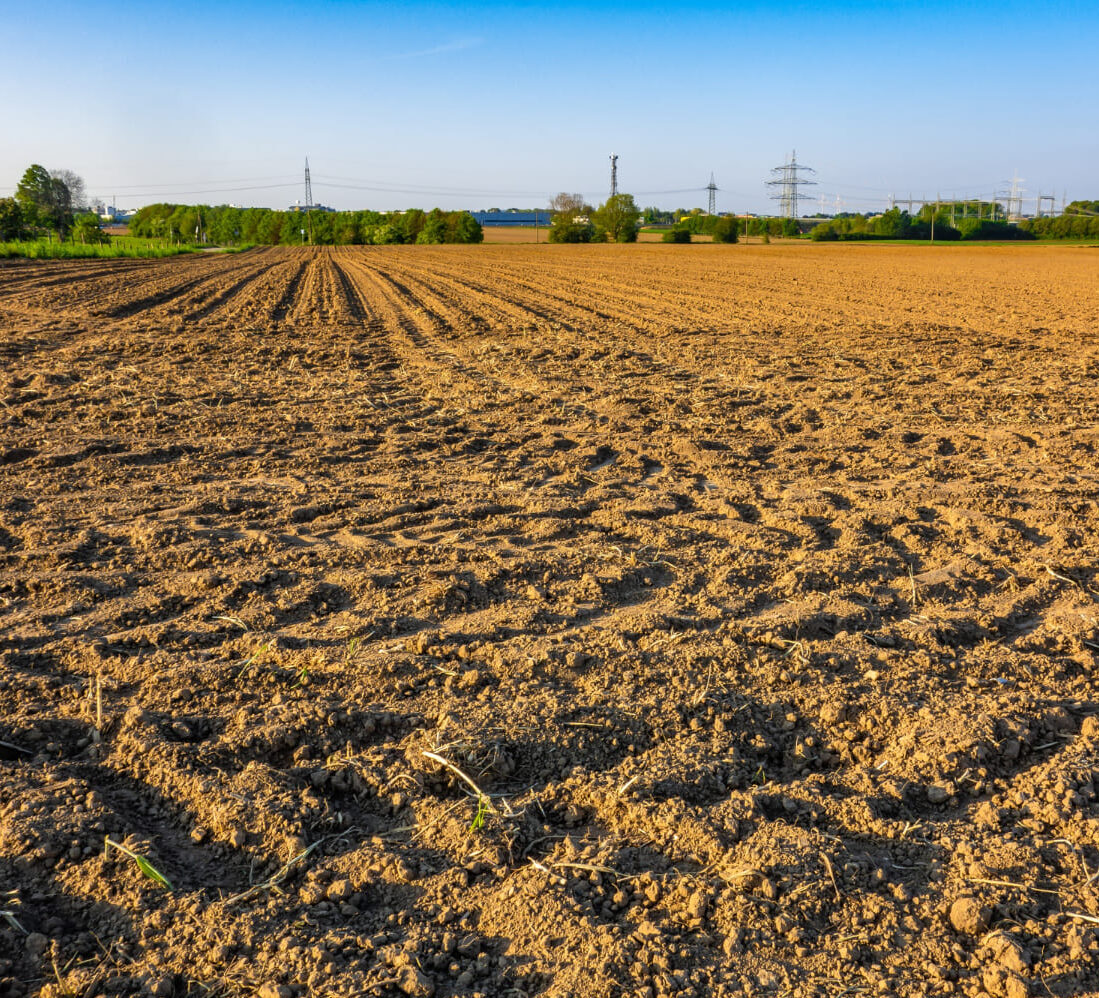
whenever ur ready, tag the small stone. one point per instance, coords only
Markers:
(969, 916)
(198, 835)
(36, 944)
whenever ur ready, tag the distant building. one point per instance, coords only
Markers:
(513, 217)
(298, 206)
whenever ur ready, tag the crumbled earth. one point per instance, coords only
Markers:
(565, 621)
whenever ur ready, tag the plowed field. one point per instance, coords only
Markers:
(557, 621)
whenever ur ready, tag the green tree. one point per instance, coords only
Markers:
(571, 221)
(462, 227)
(434, 228)
(11, 220)
(676, 235)
(45, 200)
(619, 216)
(725, 229)
(86, 230)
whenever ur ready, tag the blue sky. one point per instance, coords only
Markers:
(493, 105)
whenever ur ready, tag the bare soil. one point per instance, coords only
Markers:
(556, 621)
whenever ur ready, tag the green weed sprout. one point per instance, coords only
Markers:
(143, 864)
(479, 818)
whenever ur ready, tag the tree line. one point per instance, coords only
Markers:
(1079, 220)
(962, 221)
(947, 223)
(229, 226)
(50, 203)
(619, 219)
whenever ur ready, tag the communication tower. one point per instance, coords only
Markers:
(308, 185)
(789, 180)
(711, 207)
(614, 174)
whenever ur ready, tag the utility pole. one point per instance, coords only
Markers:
(789, 181)
(712, 188)
(614, 174)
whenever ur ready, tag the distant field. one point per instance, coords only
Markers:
(520, 234)
(551, 621)
(517, 234)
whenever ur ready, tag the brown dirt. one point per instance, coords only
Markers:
(515, 234)
(755, 586)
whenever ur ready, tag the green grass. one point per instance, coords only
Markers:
(122, 246)
(118, 247)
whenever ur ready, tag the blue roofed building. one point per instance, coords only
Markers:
(513, 217)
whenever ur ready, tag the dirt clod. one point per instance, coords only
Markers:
(969, 916)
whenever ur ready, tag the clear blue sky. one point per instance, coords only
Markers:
(479, 105)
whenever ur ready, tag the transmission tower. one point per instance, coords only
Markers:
(789, 181)
(711, 207)
(1015, 199)
(308, 184)
(614, 174)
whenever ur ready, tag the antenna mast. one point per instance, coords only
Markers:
(614, 174)
(789, 181)
(308, 184)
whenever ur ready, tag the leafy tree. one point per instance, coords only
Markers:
(893, 224)
(657, 216)
(619, 215)
(571, 221)
(86, 230)
(11, 220)
(434, 229)
(462, 227)
(725, 229)
(676, 235)
(45, 200)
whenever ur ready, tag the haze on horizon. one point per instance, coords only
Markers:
(503, 105)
